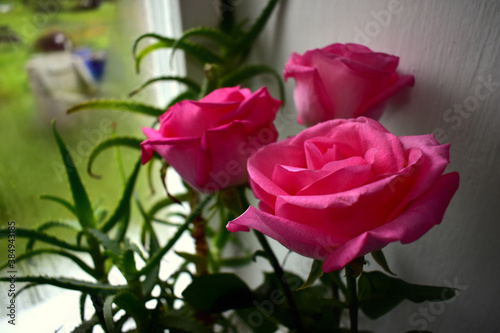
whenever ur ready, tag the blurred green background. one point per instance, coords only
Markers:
(28, 151)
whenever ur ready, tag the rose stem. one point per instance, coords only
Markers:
(199, 237)
(294, 311)
(353, 299)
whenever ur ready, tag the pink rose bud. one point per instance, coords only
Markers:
(344, 188)
(209, 141)
(343, 81)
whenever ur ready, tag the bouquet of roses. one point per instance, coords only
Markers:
(341, 189)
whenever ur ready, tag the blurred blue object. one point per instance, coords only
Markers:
(95, 61)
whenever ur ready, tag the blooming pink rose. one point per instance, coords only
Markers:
(344, 188)
(343, 81)
(209, 141)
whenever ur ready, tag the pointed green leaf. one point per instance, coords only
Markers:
(68, 205)
(315, 273)
(192, 85)
(108, 314)
(41, 236)
(53, 224)
(200, 53)
(380, 293)
(152, 278)
(236, 261)
(71, 284)
(255, 30)
(86, 326)
(221, 38)
(379, 258)
(218, 292)
(108, 143)
(124, 204)
(132, 305)
(83, 299)
(355, 267)
(83, 208)
(236, 77)
(224, 40)
(89, 270)
(156, 258)
(128, 266)
(190, 257)
(159, 205)
(117, 104)
(106, 242)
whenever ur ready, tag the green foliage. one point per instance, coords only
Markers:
(117, 104)
(108, 143)
(83, 208)
(315, 273)
(379, 293)
(218, 293)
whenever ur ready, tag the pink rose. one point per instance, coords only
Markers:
(209, 141)
(344, 188)
(343, 81)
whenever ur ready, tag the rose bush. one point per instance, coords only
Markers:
(344, 188)
(343, 81)
(209, 141)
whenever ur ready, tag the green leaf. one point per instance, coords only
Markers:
(34, 234)
(236, 77)
(380, 293)
(119, 105)
(156, 258)
(68, 205)
(152, 278)
(71, 284)
(224, 40)
(108, 143)
(123, 208)
(200, 53)
(87, 326)
(319, 312)
(379, 258)
(83, 299)
(53, 224)
(315, 273)
(257, 322)
(106, 242)
(178, 321)
(83, 208)
(236, 261)
(108, 314)
(218, 292)
(192, 85)
(89, 270)
(128, 266)
(355, 267)
(159, 205)
(255, 30)
(131, 304)
(190, 257)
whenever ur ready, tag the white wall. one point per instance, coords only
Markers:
(450, 47)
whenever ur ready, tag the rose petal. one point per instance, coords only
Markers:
(420, 217)
(305, 240)
(311, 98)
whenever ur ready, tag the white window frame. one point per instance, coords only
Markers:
(164, 18)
